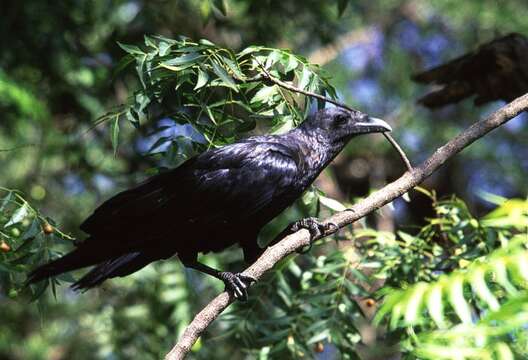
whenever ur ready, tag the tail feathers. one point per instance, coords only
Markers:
(119, 266)
(80, 257)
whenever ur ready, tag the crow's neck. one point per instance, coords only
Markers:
(317, 151)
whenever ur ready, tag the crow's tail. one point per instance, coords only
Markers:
(119, 266)
(86, 254)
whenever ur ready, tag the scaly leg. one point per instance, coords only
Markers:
(237, 283)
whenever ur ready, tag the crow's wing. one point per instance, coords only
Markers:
(244, 181)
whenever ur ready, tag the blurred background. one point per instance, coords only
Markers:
(57, 76)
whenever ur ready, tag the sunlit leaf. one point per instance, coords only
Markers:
(264, 94)
(414, 304)
(224, 76)
(332, 203)
(202, 80)
(479, 285)
(19, 215)
(114, 130)
(131, 49)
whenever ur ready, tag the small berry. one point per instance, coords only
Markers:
(370, 302)
(48, 229)
(4, 247)
(319, 347)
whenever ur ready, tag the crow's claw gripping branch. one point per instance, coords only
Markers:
(237, 283)
(315, 227)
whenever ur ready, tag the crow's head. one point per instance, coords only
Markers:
(337, 124)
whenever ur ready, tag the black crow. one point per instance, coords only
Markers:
(212, 201)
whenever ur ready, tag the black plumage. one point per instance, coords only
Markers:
(218, 198)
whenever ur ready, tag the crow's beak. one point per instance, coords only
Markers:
(372, 125)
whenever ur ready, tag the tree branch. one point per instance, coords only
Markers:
(376, 200)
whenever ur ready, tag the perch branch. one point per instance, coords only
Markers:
(301, 238)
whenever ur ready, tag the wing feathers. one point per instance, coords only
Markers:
(218, 186)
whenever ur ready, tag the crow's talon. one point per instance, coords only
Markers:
(315, 227)
(331, 225)
(237, 284)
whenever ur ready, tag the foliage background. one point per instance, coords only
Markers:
(58, 76)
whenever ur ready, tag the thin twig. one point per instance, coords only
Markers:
(301, 238)
(287, 86)
(396, 146)
(18, 147)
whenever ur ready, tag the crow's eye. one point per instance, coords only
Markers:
(341, 119)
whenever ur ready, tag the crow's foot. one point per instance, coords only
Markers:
(237, 283)
(314, 226)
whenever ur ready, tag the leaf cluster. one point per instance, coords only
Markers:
(303, 306)
(27, 238)
(476, 302)
(222, 94)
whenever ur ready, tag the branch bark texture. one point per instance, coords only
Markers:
(300, 239)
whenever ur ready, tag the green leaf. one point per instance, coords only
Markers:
(320, 336)
(32, 230)
(272, 58)
(19, 215)
(503, 352)
(25, 245)
(457, 300)
(409, 239)
(234, 68)
(6, 200)
(140, 64)
(224, 76)
(202, 80)
(265, 94)
(396, 314)
(478, 283)
(114, 130)
(305, 78)
(184, 59)
(132, 117)
(501, 276)
(435, 305)
(150, 42)
(206, 43)
(131, 49)
(414, 303)
(284, 124)
(249, 50)
(332, 203)
(164, 48)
